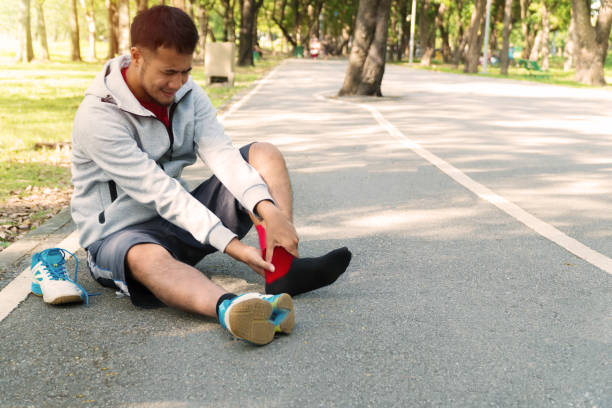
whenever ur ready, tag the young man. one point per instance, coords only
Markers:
(141, 122)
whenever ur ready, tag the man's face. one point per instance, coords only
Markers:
(161, 73)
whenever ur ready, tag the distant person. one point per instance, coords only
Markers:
(315, 47)
(141, 122)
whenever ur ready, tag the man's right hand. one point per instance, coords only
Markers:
(248, 255)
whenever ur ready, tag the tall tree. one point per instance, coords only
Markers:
(504, 58)
(25, 53)
(141, 5)
(405, 29)
(41, 29)
(527, 29)
(570, 47)
(75, 44)
(592, 41)
(201, 11)
(90, 17)
(248, 12)
(427, 30)
(460, 38)
(229, 22)
(474, 37)
(124, 26)
(285, 26)
(544, 47)
(368, 53)
(113, 28)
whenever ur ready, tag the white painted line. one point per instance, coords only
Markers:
(19, 288)
(234, 107)
(544, 229)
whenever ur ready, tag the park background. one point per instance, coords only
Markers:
(50, 50)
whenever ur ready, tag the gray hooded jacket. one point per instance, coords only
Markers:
(125, 170)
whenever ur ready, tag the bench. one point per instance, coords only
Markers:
(531, 66)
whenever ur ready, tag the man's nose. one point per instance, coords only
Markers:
(177, 81)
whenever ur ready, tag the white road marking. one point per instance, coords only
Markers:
(19, 288)
(544, 229)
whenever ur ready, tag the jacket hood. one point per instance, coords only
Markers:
(110, 86)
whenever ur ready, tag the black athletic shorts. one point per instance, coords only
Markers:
(106, 257)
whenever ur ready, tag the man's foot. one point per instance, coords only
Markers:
(307, 274)
(49, 278)
(256, 318)
(300, 275)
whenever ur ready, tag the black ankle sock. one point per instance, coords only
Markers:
(222, 298)
(306, 274)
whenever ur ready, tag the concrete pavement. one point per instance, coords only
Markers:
(449, 300)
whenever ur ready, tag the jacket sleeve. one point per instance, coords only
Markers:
(223, 159)
(111, 147)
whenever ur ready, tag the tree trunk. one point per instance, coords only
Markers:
(229, 23)
(427, 31)
(570, 47)
(528, 36)
(203, 23)
(473, 37)
(460, 40)
(444, 35)
(91, 27)
(25, 53)
(74, 32)
(592, 42)
(41, 29)
(124, 26)
(504, 57)
(534, 55)
(141, 5)
(544, 47)
(367, 60)
(405, 28)
(280, 22)
(113, 28)
(245, 49)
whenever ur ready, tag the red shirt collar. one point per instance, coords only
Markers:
(160, 111)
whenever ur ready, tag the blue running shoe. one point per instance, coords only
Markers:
(49, 278)
(256, 318)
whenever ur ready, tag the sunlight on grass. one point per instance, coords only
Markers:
(38, 102)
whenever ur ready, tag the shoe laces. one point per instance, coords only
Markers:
(56, 269)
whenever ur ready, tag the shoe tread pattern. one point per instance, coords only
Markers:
(248, 320)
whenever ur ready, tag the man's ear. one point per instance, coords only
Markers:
(136, 56)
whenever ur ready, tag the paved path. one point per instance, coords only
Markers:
(448, 191)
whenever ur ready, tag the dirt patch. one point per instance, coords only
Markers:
(22, 213)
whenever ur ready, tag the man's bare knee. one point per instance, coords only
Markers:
(263, 153)
(140, 256)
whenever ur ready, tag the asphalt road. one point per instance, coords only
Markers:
(449, 300)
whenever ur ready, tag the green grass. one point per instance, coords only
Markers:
(37, 105)
(554, 75)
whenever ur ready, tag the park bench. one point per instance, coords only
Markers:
(531, 66)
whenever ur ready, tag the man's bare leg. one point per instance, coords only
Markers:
(270, 164)
(292, 275)
(185, 287)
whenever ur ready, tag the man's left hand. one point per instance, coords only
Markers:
(279, 230)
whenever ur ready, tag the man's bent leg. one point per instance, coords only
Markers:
(173, 282)
(270, 164)
(292, 275)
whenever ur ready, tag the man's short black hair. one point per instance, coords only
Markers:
(165, 26)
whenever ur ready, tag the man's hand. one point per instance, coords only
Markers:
(248, 255)
(279, 230)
